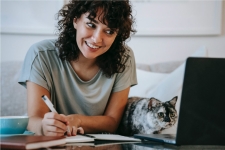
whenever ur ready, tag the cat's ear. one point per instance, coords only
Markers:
(173, 101)
(153, 103)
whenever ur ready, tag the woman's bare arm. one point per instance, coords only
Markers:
(107, 122)
(41, 121)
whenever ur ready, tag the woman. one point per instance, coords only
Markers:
(86, 73)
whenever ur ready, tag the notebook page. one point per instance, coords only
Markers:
(113, 137)
(78, 138)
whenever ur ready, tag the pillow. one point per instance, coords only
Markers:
(162, 67)
(147, 81)
(172, 84)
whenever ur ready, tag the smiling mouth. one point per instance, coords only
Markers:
(92, 46)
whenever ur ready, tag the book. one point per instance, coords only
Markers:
(30, 142)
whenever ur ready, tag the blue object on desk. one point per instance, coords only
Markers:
(25, 133)
(13, 124)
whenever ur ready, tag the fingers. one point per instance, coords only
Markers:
(80, 130)
(54, 124)
(60, 126)
(75, 131)
(56, 120)
(56, 116)
(53, 131)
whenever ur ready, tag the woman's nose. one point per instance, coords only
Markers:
(97, 36)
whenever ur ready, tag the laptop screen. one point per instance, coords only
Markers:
(201, 116)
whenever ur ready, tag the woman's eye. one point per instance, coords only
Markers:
(110, 32)
(91, 25)
(160, 114)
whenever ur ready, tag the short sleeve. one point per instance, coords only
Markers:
(34, 69)
(128, 77)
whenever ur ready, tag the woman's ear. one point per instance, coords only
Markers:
(75, 23)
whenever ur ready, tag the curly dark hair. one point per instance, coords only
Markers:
(116, 15)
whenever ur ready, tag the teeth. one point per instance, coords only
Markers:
(92, 46)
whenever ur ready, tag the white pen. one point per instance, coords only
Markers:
(50, 106)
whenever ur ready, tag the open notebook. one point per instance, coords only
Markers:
(100, 143)
(34, 142)
(105, 137)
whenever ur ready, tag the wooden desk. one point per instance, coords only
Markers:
(145, 145)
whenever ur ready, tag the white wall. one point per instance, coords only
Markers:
(147, 49)
(25, 22)
(163, 49)
(159, 48)
(15, 46)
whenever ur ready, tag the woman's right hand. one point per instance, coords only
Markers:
(54, 124)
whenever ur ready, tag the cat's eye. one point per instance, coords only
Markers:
(161, 115)
(172, 115)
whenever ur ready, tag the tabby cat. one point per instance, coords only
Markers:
(147, 116)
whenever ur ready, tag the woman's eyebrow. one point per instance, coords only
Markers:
(95, 21)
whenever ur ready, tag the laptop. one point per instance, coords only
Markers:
(202, 108)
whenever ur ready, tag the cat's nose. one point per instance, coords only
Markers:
(167, 119)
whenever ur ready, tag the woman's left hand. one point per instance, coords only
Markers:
(74, 125)
(76, 130)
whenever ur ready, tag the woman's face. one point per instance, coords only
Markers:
(93, 38)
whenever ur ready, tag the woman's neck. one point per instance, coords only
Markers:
(83, 62)
(85, 68)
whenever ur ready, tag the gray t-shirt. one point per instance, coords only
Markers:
(70, 94)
